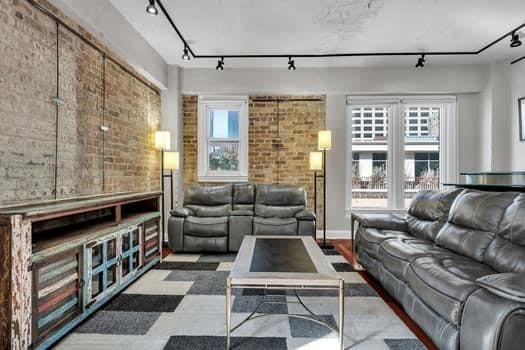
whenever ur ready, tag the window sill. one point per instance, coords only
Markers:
(222, 179)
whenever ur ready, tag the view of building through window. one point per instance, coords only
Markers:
(370, 153)
(223, 140)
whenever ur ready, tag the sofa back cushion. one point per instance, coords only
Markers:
(473, 221)
(209, 201)
(281, 201)
(428, 212)
(506, 253)
(243, 196)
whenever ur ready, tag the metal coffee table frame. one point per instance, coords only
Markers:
(326, 278)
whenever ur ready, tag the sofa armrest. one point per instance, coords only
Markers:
(182, 212)
(387, 221)
(242, 212)
(305, 215)
(491, 322)
(510, 286)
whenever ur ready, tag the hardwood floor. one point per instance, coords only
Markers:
(344, 246)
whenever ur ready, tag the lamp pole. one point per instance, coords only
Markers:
(324, 198)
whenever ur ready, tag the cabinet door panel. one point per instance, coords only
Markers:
(57, 295)
(151, 240)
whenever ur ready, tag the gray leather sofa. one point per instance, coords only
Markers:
(216, 219)
(456, 263)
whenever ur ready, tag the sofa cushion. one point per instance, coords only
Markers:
(445, 283)
(274, 226)
(213, 195)
(431, 205)
(243, 196)
(281, 201)
(206, 227)
(396, 254)
(473, 221)
(428, 212)
(480, 210)
(369, 239)
(506, 253)
(209, 201)
(280, 195)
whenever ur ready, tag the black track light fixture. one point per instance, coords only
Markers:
(515, 40)
(291, 63)
(220, 64)
(186, 54)
(151, 8)
(421, 61)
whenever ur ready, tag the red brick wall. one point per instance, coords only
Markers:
(282, 133)
(28, 135)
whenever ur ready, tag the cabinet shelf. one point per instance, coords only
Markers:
(56, 241)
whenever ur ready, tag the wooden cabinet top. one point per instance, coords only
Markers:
(72, 205)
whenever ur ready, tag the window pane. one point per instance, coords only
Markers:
(223, 156)
(224, 124)
(421, 150)
(369, 159)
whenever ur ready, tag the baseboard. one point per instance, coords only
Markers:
(334, 234)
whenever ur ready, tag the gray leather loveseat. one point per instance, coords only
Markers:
(216, 219)
(456, 263)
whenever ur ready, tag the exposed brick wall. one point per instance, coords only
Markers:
(282, 133)
(28, 42)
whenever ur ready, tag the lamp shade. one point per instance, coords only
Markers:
(324, 140)
(171, 160)
(316, 160)
(162, 140)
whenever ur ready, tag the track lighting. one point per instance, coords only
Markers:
(220, 64)
(291, 63)
(151, 8)
(421, 61)
(186, 55)
(515, 40)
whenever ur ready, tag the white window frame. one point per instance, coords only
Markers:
(448, 144)
(205, 104)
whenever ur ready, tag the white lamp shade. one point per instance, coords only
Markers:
(162, 140)
(171, 160)
(316, 161)
(324, 140)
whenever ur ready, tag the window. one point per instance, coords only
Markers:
(400, 145)
(223, 139)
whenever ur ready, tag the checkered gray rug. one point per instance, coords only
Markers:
(180, 304)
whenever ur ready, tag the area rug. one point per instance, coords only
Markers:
(180, 304)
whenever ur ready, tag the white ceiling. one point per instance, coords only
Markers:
(222, 27)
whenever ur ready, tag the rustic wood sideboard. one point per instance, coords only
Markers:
(61, 260)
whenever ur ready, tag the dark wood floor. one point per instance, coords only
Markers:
(344, 247)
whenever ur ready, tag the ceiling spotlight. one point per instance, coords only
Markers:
(291, 63)
(421, 61)
(151, 8)
(220, 64)
(186, 55)
(515, 40)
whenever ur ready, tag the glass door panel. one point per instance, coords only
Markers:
(130, 241)
(370, 156)
(422, 160)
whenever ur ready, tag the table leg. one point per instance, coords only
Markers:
(341, 312)
(228, 312)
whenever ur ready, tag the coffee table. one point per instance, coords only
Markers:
(284, 263)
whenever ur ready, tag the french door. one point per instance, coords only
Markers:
(396, 147)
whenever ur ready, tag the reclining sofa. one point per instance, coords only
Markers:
(456, 263)
(216, 219)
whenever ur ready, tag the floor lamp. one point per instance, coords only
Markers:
(324, 143)
(316, 164)
(171, 162)
(162, 143)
